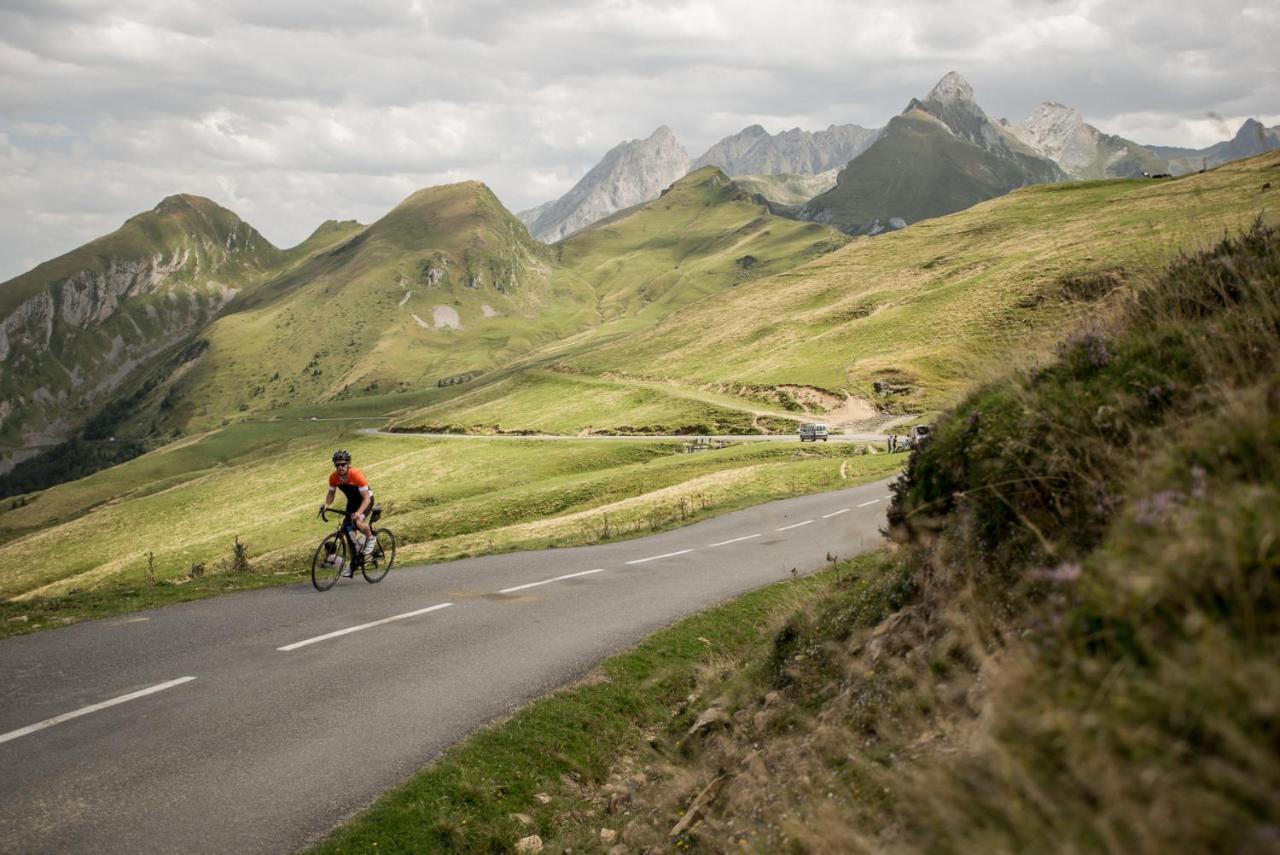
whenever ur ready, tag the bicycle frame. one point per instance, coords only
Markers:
(345, 528)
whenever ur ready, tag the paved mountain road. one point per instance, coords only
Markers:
(263, 719)
(640, 437)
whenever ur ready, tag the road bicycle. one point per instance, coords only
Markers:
(338, 552)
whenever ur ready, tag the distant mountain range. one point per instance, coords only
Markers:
(754, 151)
(942, 154)
(186, 315)
(1252, 138)
(1061, 134)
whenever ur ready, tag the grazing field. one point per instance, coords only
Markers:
(925, 312)
(139, 533)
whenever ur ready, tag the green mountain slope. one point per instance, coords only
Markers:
(75, 330)
(907, 321)
(446, 284)
(920, 169)
(784, 189)
(941, 155)
(704, 236)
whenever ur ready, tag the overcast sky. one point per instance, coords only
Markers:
(291, 112)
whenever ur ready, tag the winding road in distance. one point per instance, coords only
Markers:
(745, 437)
(258, 721)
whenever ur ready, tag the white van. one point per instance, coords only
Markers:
(813, 432)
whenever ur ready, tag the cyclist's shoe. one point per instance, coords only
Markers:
(346, 574)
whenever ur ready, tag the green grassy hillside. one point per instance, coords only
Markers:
(80, 329)
(703, 237)
(90, 545)
(446, 284)
(704, 234)
(919, 169)
(1073, 648)
(784, 189)
(1070, 647)
(927, 310)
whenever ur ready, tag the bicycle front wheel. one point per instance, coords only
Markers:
(331, 558)
(378, 562)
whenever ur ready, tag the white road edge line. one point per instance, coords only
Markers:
(549, 581)
(58, 719)
(369, 625)
(735, 540)
(835, 513)
(872, 502)
(656, 557)
(795, 525)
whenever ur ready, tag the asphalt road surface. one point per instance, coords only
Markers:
(257, 722)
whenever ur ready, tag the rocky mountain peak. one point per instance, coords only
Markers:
(1051, 113)
(754, 151)
(1250, 130)
(631, 172)
(951, 89)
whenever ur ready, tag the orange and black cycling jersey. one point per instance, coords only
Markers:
(352, 486)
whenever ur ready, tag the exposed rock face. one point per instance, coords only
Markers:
(951, 102)
(1252, 138)
(1061, 134)
(941, 155)
(632, 172)
(754, 151)
(77, 327)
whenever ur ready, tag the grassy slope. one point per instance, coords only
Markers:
(344, 323)
(74, 340)
(169, 227)
(940, 303)
(785, 189)
(703, 237)
(1072, 648)
(185, 504)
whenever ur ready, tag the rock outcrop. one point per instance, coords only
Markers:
(631, 173)
(941, 155)
(754, 151)
(75, 329)
(1061, 134)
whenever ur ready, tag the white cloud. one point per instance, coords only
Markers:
(292, 113)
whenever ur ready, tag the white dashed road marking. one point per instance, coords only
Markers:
(58, 719)
(872, 502)
(835, 513)
(735, 540)
(369, 625)
(795, 525)
(656, 557)
(549, 581)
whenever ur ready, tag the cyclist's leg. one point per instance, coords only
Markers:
(366, 528)
(348, 526)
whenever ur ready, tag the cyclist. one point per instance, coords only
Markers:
(355, 487)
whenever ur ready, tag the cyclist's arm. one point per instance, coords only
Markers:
(328, 499)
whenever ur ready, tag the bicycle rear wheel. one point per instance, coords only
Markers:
(378, 562)
(331, 558)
